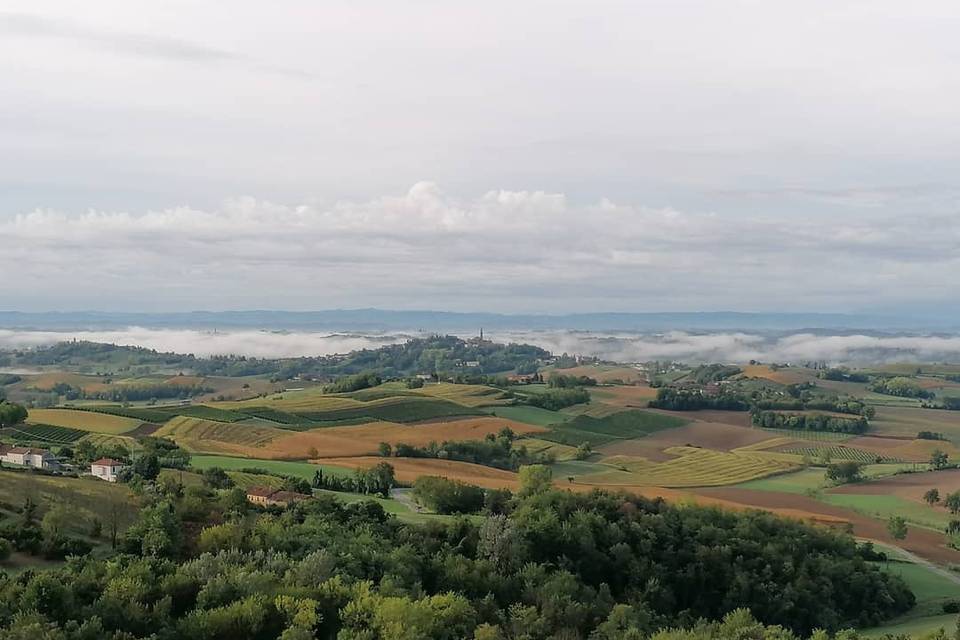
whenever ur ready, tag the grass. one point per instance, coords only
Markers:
(577, 468)
(87, 498)
(885, 506)
(395, 409)
(303, 470)
(530, 415)
(800, 481)
(931, 590)
(83, 420)
(601, 431)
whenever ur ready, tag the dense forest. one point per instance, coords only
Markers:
(204, 564)
(445, 355)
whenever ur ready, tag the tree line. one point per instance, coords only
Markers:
(204, 564)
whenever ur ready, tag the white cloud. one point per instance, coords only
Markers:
(502, 251)
(622, 346)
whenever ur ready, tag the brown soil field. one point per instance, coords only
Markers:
(718, 436)
(625, 396)
(923, 542)
(409, 469)
(911, 486)
(908, 421)
(363, 439)
(909, 450)
(736, 418)
(782, 376)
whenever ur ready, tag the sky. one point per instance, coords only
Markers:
(502, 156)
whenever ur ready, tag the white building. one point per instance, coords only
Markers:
(28, 457)
(107, 469)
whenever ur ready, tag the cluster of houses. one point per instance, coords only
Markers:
(34, 458)
(29, 457)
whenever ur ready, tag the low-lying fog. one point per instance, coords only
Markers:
(620, 346)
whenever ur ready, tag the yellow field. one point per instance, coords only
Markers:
(206, 436)
(601, 373)
(693, 467)
(105, 440)
(363, 439)
(83, 420)
(560, 451)
(306, 400)
(469, 395)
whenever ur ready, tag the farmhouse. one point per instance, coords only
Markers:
(29, 457)
(107, 469)
(265, 496)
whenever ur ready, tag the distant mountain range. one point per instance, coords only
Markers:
(387, 320)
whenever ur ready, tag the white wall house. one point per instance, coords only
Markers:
(107, 469)
(28, 457)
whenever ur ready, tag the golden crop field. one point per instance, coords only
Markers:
(363, 439)
(206, 436)
(83, 420)
(693, 467)
(560, 451)
(469, 395)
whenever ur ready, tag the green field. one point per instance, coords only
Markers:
(885, 506)
(931, 590)
(303, 470)
(87, 498)
(601, 431)
(530, 415)
(394, 409)
(43, 433)
(796, 482)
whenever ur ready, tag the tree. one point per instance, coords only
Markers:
(952, 502)
(6, 548)
(216, 478)
(932, 496)
(11, 414)
(146, 466)
(384, 449)
(844, 472)
(897, 527)
(535, 478)
(938, 460)
(583, 451)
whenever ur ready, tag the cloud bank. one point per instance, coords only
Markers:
(514, 251)
(622, 347)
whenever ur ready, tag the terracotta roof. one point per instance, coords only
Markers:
(261, 492)
(107, 462)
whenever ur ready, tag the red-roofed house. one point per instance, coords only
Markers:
(107, 469)
(265, 496)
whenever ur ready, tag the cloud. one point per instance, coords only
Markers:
(260, 344)
(623, 347)
(509, 251)
(21, 24)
